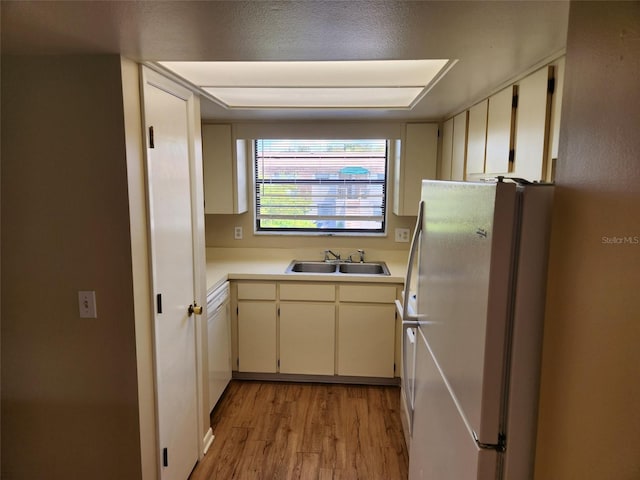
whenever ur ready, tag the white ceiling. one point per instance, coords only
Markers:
(494, 42)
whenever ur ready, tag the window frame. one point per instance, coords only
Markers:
(382, 232)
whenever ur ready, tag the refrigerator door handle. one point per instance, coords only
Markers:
(406, 314)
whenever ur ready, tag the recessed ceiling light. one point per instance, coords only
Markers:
(330, 84)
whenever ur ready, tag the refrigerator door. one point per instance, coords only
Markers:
(442, 447)
(464, 292)
(408, 314)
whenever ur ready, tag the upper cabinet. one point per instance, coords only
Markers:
(459, 148)
(532, 125)
(513, 132)
(500, 123)
(417, 160)
(557, 85)
(447, 150)
(454, 148)
(225, 170)
(477, 138)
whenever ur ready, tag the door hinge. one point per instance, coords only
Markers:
(278, 311)
(551, 85)
(151, 140)
(278, 363)
(512, 155)
(165, 457)
(237, 310)
(159, 302)
(514, 101)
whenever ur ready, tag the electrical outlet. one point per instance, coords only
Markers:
(87, 304)
(237, 233)
(402, 235)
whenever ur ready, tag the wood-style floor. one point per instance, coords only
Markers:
(272, 430)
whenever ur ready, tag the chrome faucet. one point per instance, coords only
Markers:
(336, 256)
(360, 253)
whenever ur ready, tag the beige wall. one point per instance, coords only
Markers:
(220, 228)
(69, 386)
(219, 233)
(589, 425)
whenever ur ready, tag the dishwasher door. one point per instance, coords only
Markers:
(218, 342)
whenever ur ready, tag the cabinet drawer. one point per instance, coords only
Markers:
(256, 291)
(309, 291)
(368, 293)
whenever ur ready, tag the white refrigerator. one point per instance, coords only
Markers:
(472, 327)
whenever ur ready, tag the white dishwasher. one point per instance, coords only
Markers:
(218, 342)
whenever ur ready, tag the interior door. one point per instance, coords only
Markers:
(172, 258)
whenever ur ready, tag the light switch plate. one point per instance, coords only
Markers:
(87, 304)
(402, 235)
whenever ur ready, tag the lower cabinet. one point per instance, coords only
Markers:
(366, 330)
(307, 338)
(257, 327)
(366, 340)
(321, 328)
(257, 337)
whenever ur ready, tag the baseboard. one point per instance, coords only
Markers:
(208, 440)
(295, 377)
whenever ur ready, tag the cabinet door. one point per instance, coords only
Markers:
(307, 338)
(459, 148)
(500, 131)
(447, 150)
(418, 161)
(224, 169)
(477, 139)
(366, 335)
(554, 122)
(257, 336)
(532, 125)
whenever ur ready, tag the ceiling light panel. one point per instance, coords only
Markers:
(326, 84)
(313, 97)
(374, 73)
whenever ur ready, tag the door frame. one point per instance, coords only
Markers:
(156, 79)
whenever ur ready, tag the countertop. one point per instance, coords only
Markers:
(270, 264)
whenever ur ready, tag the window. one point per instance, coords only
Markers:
(321, 186)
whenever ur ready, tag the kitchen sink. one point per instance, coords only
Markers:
(364, 268)
(348, 268)
(311, 267)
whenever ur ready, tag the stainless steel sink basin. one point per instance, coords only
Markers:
(377, 268)
(348, 268)
(311, 267)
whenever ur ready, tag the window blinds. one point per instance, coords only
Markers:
(321, 185)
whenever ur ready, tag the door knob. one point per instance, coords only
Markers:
(195, 308)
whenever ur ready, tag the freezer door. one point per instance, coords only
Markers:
(465, 268)
(442, 447)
